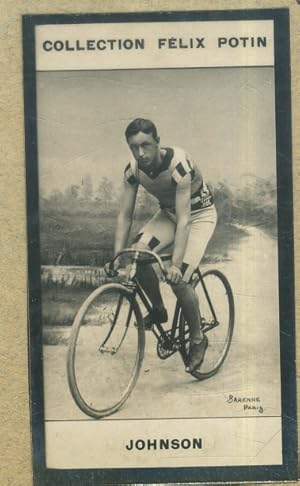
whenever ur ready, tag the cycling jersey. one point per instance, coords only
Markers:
(162, 183)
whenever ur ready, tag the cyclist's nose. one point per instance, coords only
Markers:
(141, 152)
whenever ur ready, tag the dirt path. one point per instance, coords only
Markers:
(250, 371)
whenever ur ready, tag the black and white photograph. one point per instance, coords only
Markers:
(159, 196)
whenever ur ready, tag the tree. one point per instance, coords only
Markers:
(72, 191)
(87, 187)
(106, 193)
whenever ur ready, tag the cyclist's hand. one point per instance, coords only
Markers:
(174, 274)
(110, 269)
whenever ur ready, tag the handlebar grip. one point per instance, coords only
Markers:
(109, 270)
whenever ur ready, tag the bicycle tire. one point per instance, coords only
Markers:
(206, 370)
(87, 323)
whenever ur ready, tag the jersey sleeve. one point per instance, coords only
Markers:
(129, 176)
(183, 166)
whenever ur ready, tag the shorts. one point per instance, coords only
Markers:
(159, 233)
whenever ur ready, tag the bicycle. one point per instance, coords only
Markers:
(107, 340)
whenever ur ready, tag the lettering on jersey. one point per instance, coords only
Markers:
(206, 202)
(202, 199)
(130, 177)
(204, 190)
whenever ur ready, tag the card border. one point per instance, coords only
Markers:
(285, 245)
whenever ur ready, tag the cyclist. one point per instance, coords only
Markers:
(186, 218)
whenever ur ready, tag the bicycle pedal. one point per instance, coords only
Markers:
(104, 349)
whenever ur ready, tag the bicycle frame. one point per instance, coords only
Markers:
(207, 326)
(157, 329)
(168, 337)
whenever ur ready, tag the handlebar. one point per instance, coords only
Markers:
(138, 258)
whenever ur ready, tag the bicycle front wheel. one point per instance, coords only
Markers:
(217, 321)
(106, 350)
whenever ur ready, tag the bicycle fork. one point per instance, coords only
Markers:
(104, 348)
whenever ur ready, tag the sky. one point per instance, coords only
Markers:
(223, 117)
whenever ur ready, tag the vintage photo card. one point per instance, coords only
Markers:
(169, 135)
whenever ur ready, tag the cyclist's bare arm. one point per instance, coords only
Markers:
(124, 220)
(183, 209)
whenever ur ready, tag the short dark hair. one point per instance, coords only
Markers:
(141, 125)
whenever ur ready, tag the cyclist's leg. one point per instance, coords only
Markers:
(155, 235)
(202, 228)
(188, 300)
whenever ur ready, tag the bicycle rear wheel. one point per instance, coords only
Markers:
(217, 321)
(106, 350)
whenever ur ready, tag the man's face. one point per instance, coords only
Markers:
(145, 149)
